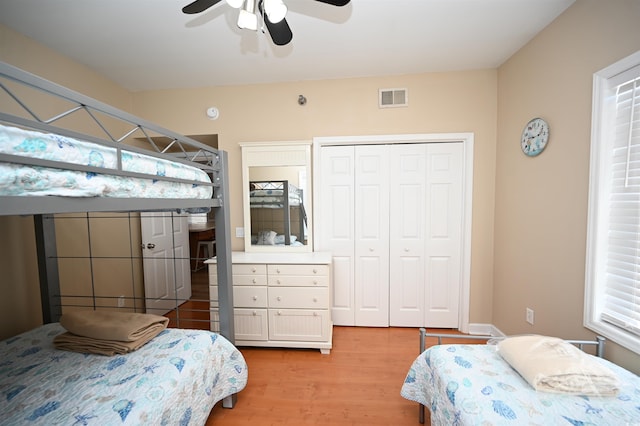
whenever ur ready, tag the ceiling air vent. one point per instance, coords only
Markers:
(389, 98)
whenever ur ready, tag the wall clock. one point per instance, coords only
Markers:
(534, 137)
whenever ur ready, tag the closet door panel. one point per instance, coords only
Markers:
(444, 236)
(335, 227)
(407, 234)
(372, 235)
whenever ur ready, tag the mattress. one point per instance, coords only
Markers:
(473, 385)
(174, 379)
(272, 198)
(27, 180)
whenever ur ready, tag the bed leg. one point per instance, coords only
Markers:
(230, 401)
(421, 414)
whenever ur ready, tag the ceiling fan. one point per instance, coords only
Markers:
(272, 12)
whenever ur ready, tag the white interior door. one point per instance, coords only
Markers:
(444, 246)
(408, 218)
(372, 235)
(335, 219)
(167, 275)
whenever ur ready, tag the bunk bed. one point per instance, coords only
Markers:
(275, 205)
(145, 169)
(526, 379)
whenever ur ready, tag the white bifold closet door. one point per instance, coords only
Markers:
(392, 217)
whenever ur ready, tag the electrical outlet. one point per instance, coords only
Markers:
(240, 232)
(530, 316)
(121, 301)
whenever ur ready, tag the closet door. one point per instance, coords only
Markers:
(408, 218)
(444, 204)
(372, 235)
(335, 226)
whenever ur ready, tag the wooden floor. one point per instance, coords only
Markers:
(358, 383)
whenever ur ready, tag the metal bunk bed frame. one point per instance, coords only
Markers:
(180, 149)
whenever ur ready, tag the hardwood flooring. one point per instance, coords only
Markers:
(358, 383)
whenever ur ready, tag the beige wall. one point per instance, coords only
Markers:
(541, 202)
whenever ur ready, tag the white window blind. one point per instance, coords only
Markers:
(612, 274)
(622, 276)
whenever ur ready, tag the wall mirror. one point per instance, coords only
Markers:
(276, 180)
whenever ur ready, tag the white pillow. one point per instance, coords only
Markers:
(266, 238)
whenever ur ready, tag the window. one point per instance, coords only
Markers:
(612, 296)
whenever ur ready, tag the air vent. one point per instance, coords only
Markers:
(390, 98)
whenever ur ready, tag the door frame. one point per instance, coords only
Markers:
(467, 140)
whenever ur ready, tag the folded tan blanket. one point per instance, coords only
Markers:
(108, 332)
(550, 364)
(113, 325)
(74, 343)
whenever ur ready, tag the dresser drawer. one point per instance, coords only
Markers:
(299, 297)
(249, 280)
(213, 274)
(286, 269)
(248, 269)
(301, 281)
(250, 297)
(299, 325)
(251, 324)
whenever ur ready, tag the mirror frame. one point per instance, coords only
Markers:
(276, 154)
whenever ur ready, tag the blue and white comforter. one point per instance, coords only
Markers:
(473, 385)
(175, 379)
(18, 180)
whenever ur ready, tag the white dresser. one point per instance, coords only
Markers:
(280, 299)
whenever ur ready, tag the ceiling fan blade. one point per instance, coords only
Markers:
(335, 2)
(199, 6)
(280, 33)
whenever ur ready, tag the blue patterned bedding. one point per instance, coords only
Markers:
(18, 180)
(175, 379)
(473, 385)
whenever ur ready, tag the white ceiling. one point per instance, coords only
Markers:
(151, 44)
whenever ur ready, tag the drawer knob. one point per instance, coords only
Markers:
(278, 270)
(253, 269)
(315, 299)
(315, 282)
(278, 298)
(255, 313)
(254, 281)
(315, 314)
(278, 282)
(315, 271)
(279, 312)
(255, 297)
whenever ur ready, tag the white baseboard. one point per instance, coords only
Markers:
(485, 330)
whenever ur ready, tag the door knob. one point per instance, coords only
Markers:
(151, 246)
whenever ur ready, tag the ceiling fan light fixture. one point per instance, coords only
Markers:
(275, 10)
(236, 4)
(247, 18)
